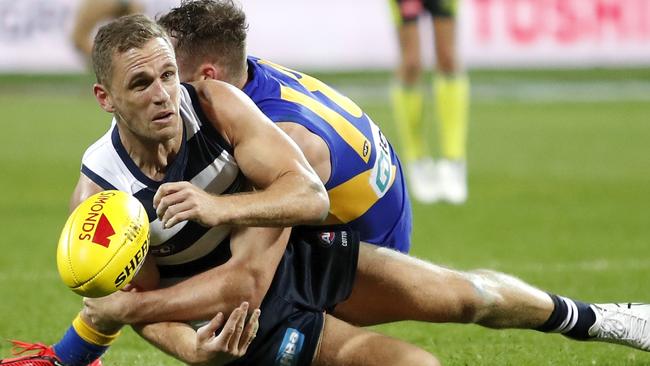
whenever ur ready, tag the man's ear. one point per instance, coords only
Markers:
(103, 98)
(208, 71)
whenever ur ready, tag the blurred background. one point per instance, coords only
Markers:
(359, 35)
(558, 152)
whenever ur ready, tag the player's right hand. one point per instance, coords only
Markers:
(217, 343)
(180, 201)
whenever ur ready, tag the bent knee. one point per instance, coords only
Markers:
(486, 292)
(474, 296)
(466, 309)
(420, 358)
(410, 355)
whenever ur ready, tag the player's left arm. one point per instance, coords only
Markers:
(246, 276)
(288, 191)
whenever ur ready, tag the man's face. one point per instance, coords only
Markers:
(145, 91)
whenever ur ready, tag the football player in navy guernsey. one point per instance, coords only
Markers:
(311, 283)
(189, 151)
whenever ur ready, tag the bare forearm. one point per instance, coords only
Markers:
(198, 298)
(175, 339)
(292, 200)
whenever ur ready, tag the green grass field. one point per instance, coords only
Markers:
(559, 166)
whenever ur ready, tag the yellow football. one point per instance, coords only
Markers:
(103, 244)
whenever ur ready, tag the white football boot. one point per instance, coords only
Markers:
(422, 180)
(452, 177)
(627, 324)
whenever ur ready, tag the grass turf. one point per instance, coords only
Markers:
(558, 196)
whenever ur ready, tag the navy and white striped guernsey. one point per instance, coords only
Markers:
(205, 159)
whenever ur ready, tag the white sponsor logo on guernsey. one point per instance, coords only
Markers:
(327, 237)
(290, 348)
(344, 238)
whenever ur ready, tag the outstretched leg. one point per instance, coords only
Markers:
(391, 286)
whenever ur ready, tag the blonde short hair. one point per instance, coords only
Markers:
(119, 36)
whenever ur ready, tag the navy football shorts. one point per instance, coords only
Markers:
(315, 274)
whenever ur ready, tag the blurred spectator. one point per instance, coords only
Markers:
(92, 12)
(445, 180)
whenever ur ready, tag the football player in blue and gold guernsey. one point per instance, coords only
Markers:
(345, 147)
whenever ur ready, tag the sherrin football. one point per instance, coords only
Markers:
(103, 244)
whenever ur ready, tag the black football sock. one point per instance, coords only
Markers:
(569, 317)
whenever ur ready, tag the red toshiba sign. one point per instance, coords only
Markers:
(564, 21)
(555, 32)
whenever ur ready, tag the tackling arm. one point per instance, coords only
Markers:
(312, 146)
(288, 193)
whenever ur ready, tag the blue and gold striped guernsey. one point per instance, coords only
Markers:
(366, 187)
(204, 159)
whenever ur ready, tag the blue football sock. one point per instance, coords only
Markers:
(73, 350)
(82, 344)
